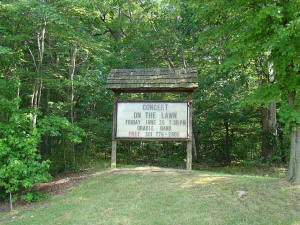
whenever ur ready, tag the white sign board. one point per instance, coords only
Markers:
(152, 120)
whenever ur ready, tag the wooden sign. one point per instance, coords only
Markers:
(152, 120)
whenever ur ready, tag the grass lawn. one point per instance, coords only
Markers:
(143, 197)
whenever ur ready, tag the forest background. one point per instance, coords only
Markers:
(56, 114)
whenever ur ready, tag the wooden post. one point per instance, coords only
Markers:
(114, 141)
(10, 202)
(190, 141)
(113, 164)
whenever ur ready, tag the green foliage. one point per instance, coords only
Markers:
(289, 116)
(231, 43)
(56, 126)
(20, 165)
(34, 196)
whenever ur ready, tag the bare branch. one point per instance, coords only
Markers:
(33, 58)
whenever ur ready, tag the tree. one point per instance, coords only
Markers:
(252, 29)
(20, 165)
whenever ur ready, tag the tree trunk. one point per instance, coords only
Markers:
(269, 131)
(38, 84)
(294, 166)
(35, 99)
(227, 142)
(71, 76)
(46, 137)
(196, 144)
(10, 202)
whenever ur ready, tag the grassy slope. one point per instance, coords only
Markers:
(181, 198)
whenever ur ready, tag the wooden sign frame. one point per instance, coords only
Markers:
(149, 138)
(142, 80)
(188, 140)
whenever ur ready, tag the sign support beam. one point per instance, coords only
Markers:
(113, 164)
(189, 146)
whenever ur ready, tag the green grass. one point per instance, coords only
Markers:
(265, 170)
(167, 198)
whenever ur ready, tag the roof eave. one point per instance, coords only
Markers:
(136, 90)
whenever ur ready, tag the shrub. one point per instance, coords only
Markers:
(20, 164)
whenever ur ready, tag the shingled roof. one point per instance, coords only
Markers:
(157, 79)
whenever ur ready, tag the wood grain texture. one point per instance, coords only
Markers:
(190, 141)
(157, 79)
(114, 142)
